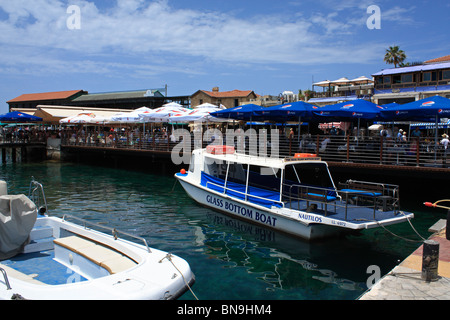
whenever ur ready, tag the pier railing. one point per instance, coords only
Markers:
(378, 150)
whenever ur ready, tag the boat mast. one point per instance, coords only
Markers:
(246, 184)
(226, 178)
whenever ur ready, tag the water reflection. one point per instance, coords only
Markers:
(280, 261)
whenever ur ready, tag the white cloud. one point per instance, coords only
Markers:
(151, 31)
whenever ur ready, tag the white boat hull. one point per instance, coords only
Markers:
(219, 178)
(266, 217)
(154, 277)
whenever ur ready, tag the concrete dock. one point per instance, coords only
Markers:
(405, 282)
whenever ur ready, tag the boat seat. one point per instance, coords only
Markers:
(13, 273)
(73, 243)
(322, 197)
(103, 256)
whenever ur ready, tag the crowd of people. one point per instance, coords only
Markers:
(398, 139)
(23, 134)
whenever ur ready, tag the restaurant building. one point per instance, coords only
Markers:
(229, 99)
(340, 90)
(412, 83)
(54, 105)
(30, 101)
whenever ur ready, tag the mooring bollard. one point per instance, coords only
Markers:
(447, 231)
(430, 260)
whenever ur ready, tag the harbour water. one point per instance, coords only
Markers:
(232, 260)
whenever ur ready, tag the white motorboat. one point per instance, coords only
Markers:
(295, 195)
(48, 258)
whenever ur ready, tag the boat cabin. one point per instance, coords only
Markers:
(268, 182)
(301, 183)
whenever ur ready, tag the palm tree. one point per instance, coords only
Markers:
(394, 56)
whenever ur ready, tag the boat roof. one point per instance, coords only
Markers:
(279, 163)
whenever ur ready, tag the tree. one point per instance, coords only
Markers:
(394, 56)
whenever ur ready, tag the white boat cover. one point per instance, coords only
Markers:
(18, 215)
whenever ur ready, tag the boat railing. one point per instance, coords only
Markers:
(345, 199)
(245, 194)
(37, 195)
(371, 149)
(386, 195)
(5, 276)
(309, 194)
(115, 233)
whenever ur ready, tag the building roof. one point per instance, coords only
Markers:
(228, 94)
(119, 95)
(424, 67)
(60, 95)
(438, 60)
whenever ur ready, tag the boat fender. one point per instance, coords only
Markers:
(42, 210)
(183, 171)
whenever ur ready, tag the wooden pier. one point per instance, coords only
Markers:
(22, 151)
(405, 281)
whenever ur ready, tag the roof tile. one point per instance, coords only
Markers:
(228, 94)
(441, 59)
(45, 96)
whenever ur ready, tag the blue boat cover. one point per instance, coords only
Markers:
(237, 190)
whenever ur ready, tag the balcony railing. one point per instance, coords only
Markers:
(417, 152)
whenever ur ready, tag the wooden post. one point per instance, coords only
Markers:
(154, 142)
(381, 149)
(348, 148)
(418, 152)
(290, 146)
(168, 140)
(317, 144)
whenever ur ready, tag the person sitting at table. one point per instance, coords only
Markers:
(324, 143)
(416, 133)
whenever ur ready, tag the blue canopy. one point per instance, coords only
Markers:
(349, 110)
(17, 116)
(288, 112)
(245, 112)
(422, 110)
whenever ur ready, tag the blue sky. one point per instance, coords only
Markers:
(261, 45)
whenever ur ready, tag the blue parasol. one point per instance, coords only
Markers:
(350, 110)
(17, 116)
(431, 108)
(245, 112)
(288, 112)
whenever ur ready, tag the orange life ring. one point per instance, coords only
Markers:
(305, 155)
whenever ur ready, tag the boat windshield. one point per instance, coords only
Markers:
(309, 174)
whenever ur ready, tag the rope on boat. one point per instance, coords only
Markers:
(173, 188)
(169, 257)
(396, 235)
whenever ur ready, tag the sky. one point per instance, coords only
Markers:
(261, 45)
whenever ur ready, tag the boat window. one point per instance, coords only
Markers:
(311, 174)
(264, 178)
(237, 173)
(215, 168)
